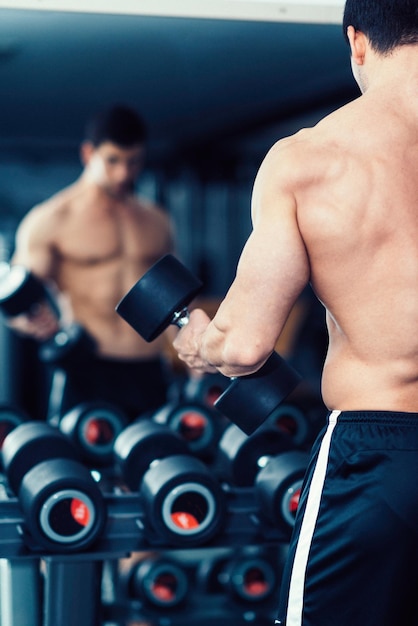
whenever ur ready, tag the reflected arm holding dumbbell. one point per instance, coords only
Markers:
(29, 298)
(40, 322)
(30, 309)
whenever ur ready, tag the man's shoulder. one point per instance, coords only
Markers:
(57, 203)
(146, 208)
(314, 148)
(300, 157)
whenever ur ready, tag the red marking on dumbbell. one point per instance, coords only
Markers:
(294, 502)
(99, 431)
(192, 425)
(255, 582)
(164, 587)
(182, 519)
(80, 512)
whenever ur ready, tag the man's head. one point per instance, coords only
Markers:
(114, 148)
(374, 29)
(386, 23)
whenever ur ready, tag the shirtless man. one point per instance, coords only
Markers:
(337, 205)
(91, 242)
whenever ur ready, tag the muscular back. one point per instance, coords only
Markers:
(94, 248)
(357, 212)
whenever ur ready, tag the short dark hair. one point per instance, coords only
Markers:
(386, 23)
(120, 124)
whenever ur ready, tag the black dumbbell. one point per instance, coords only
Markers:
(205, 389)
(20, 291)
(159, 581)
(292, 420)
(183, 503)
(62, 505)
(246, 577)
(198, 424)
(93, 427)
(241, 456)
(160, 298)
(268, 461)
(278, 487)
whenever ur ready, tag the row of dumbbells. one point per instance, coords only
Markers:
(183, 496)
(191, 412)
(219, 583)
(94, 427)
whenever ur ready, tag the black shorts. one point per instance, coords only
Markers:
(353, 556)
(135, 387)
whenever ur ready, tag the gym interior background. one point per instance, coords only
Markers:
(217, 86)
(218, 83)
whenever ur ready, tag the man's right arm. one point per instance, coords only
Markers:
(34, 251)
(272, 271)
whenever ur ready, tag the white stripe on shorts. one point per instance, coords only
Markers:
(297, 580)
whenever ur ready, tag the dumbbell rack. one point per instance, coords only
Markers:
(71, 591)
(64, 583)
(205, 586)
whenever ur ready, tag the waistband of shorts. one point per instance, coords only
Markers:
(378, 417)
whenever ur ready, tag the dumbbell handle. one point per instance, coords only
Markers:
(181, 318)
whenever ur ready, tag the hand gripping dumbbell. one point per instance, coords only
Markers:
(93, 428)
(20, 291)
(268, 461)
(183, 503)
(160, 298)
(62, 505)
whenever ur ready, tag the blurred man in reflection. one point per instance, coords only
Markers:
(91, 242)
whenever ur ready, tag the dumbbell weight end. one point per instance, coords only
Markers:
(249, 400)
(159, 298)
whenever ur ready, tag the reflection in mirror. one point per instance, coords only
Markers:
(216, 94)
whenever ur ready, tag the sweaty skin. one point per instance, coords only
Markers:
(336, 205)
(92, 241)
